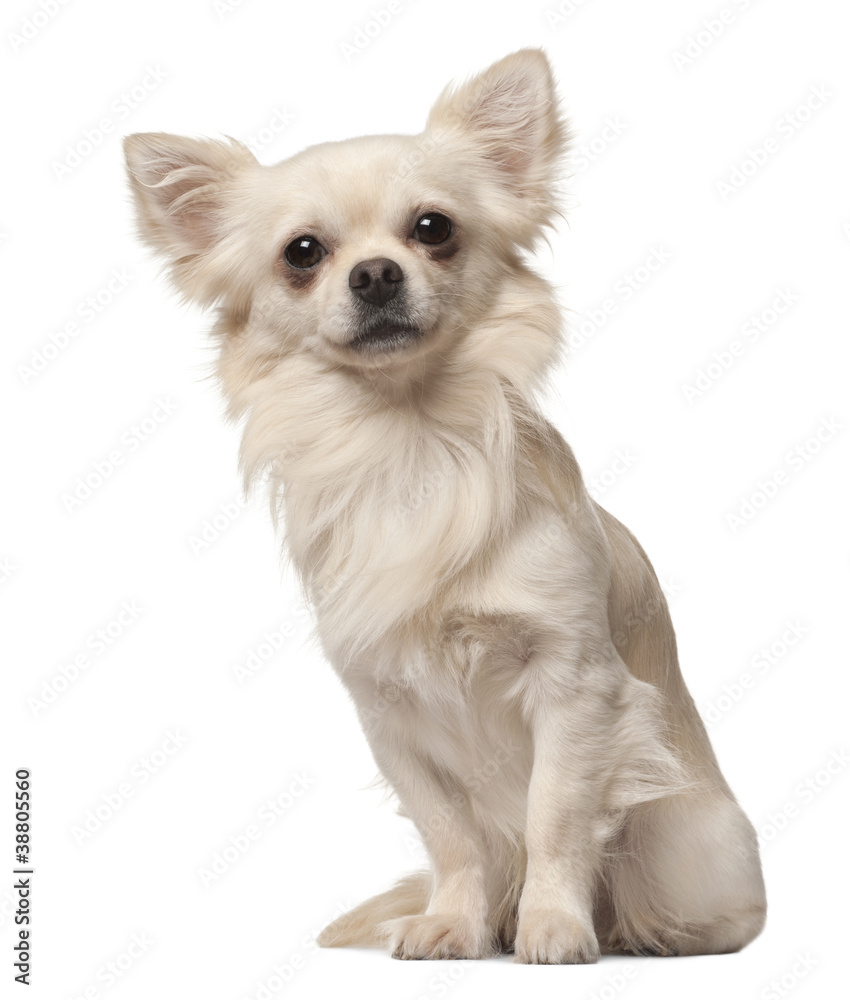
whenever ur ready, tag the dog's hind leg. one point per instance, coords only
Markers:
(684, 875)
(685, 878)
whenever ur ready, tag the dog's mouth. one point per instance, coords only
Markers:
(384, 337)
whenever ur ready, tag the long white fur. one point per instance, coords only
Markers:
(505, 640)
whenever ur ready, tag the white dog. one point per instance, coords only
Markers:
(504, 638)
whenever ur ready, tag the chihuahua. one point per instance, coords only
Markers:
(504, 639)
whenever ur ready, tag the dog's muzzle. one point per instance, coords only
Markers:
(378, 287)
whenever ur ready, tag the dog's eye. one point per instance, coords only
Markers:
(432, 228)
(304, 252)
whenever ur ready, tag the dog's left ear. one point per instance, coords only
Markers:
(508, 116)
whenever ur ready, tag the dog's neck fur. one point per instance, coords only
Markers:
(390, 481)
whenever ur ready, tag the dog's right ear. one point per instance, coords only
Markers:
(181, 189)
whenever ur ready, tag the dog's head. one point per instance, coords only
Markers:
(370, 250)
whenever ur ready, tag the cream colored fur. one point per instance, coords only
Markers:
(505, 640)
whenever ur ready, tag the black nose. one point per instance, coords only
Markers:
(376, 281)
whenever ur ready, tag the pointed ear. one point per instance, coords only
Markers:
(181, 188)
(509, 116)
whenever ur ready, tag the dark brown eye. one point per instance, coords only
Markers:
(304, 252)
(432, 228)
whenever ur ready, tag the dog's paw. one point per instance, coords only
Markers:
(551, 937)
(437, 936)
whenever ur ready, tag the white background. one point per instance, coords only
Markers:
(662, 132)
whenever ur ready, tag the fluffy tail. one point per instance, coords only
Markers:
(359, 926)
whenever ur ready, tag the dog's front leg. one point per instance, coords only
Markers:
(455, 923)
(571, 726)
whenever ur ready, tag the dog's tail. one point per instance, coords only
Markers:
(359, 926)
